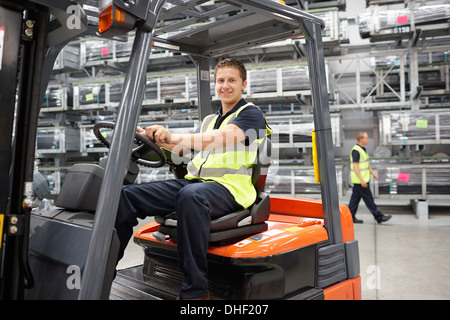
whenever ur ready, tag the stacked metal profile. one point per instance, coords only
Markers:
(415, 127)
(414, 181)
(376, 20)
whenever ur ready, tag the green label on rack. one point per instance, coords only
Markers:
(421, 123)
(89, 97)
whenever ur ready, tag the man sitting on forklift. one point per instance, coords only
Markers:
(212, 187)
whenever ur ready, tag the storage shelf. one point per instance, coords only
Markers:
(97, 65)
(422, 182)
(415, 128)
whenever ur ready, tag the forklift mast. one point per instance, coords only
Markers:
(29, 43)
(28, 57)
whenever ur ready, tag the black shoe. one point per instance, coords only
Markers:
(356, 220)
(385, 218)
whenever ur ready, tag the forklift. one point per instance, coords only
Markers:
(279, 248)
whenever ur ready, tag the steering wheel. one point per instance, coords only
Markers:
(145, 145)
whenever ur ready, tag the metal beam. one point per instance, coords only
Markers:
(203, 87)
(120, 150)
(28, 105)
(322, 127)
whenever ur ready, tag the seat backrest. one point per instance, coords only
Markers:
(81, 187)
(262, 164)
(260, 210)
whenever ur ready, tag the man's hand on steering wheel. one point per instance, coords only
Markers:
(159, 134)
(145, 145)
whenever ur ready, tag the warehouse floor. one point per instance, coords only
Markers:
(404, 258)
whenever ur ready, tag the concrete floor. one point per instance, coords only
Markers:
(404, 258)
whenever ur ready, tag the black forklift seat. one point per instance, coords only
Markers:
(237, 224)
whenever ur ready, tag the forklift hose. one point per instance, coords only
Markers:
(28, 275)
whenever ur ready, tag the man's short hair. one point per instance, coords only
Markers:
(360, 135)
(231, 62)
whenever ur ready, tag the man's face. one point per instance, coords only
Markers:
(364, 141)
(229, 86)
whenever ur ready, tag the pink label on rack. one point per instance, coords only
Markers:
(403, 177)
(402, 19)
(104, 51)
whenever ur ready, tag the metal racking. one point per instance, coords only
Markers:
(359, 76)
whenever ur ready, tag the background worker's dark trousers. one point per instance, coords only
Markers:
(195, 203)
(364, 193)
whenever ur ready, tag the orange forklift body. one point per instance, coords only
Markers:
(294, 223)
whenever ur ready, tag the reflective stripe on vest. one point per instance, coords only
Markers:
(363, 165)
(230, 166)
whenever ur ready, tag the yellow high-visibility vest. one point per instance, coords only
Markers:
(363, 165)
(231, 166)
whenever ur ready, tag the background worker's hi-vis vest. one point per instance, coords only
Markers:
(363, 165)
(230, 166)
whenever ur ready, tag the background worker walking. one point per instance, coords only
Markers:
(360, 176)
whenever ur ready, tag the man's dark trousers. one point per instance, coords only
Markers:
(195, 203)
(364, 193)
